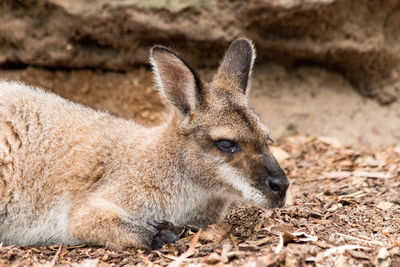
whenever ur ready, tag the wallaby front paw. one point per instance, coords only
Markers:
(167, 233)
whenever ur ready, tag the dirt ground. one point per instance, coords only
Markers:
(338, 148)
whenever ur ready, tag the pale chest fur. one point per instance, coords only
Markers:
(194, 205)
(24, 226)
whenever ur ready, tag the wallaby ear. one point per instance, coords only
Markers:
(238, 63)
(175, 79)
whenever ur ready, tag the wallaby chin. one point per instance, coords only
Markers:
(70, 174)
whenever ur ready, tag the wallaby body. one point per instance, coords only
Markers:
(70, 174)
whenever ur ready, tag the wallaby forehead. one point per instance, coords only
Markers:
(245, 121)
(232, 110)
(221, 96)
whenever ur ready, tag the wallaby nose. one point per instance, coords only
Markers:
(278, 185)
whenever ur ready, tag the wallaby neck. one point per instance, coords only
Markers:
(162, 147)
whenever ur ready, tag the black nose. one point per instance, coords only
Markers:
(278, 185)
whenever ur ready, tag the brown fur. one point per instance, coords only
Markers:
(70, 174)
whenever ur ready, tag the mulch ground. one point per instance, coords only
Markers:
(345, 211)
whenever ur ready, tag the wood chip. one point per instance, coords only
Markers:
(338, 175)
(379, 175)
(384, 205)
(341, 249)
(279, 153)
(383, 258)
(330, 141)
(234, 242)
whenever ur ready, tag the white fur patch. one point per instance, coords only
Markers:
(253, 59)
(50, 228)
(249, 193)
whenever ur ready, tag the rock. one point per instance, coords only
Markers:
(359, 38)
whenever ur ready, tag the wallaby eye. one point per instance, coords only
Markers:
(227, 146)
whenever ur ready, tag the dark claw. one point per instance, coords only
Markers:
(192, 228)
(167, 233)
(163, 237)
(166, 225)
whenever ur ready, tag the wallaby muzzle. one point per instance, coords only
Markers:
(276, 182)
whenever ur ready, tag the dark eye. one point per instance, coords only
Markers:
(227, 146)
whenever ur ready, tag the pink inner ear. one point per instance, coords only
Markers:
(175, 80)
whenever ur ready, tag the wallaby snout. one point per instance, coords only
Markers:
(278, 185)
(276, 180)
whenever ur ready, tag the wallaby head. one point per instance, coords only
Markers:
(222, 142)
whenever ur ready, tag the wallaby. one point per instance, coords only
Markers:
(70, 174)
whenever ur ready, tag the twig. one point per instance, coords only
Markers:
(378, 175)
(234, 242)
(280, 244)
(162, 255)
(361, 240)
(53, 262)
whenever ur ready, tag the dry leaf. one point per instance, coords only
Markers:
(304, 237)
(288, 237)
(280, 245)
(359, 254)
(330, 141)
(384, 205)
(214, 258)
(297, 237)
(261, 241)
(216, 232)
